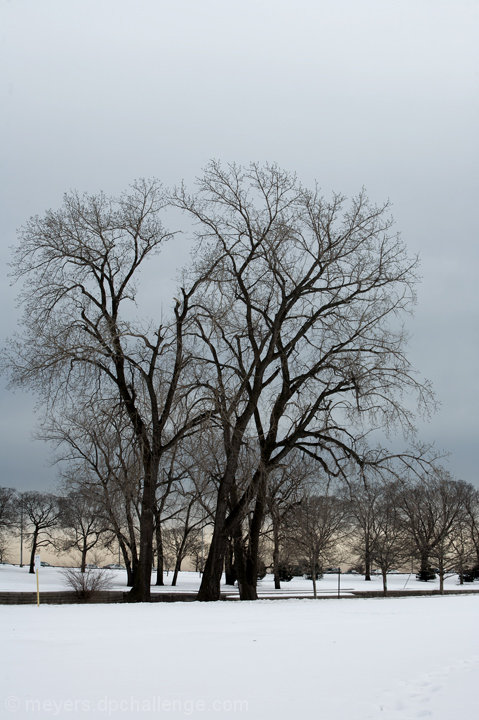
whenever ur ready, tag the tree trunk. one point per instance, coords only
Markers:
(424, 562)
(367, 560)
(252, 549)
(442, 572)
(210, 588)
(83, 557)
(277, 581)
(140, 592)
(313, 576)
(33, 552)
(385, 581)
(159, 553)
(230, 572)
(247, 586)
(213, 570)
(179, 560)
(129, 574)
(132, 546)
(131, 564)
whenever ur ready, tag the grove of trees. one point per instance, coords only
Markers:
(244, 409)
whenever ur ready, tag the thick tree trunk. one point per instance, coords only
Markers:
(129, 574)
(213, 570)
(424, 562)
(249, 581)
(385, 581)
(230, 572)
(210, 588)
(140, 591)
(246, 584)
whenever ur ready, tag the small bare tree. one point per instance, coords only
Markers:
(316, 528)
(81, 523)
(285, 488)
(433, 510)
(364, 496)
(101, 462)
(8, 515)
(42, 515)
(390, 547)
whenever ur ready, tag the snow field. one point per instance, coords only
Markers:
(15, 578)
(359, 659)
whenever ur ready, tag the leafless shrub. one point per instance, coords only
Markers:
(86, 584)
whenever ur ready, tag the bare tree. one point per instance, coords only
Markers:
(42, 513)
(8, 515)
(316, 528)
(101, 461)
(471, 506)
(81, 523)
(285, 488)
(433, 509)
(295, 325)
(79, 266)
(365, 498)
(390, 547)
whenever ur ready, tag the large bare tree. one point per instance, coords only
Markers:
(79, 266)
(300, 325)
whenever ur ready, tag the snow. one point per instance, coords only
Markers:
(14, 578)
(358, 659)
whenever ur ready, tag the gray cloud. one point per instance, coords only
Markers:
(378, 93)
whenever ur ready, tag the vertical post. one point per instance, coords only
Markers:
(339, 582)
(21, 530)
(37, 569)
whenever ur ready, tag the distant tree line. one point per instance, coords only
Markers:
(235, 409)
(431, 524)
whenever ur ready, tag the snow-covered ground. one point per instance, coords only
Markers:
(14, 578)
(348, 659)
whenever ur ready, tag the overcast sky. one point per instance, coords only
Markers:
(380, 93)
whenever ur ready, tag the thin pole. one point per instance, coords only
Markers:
(21, 530)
